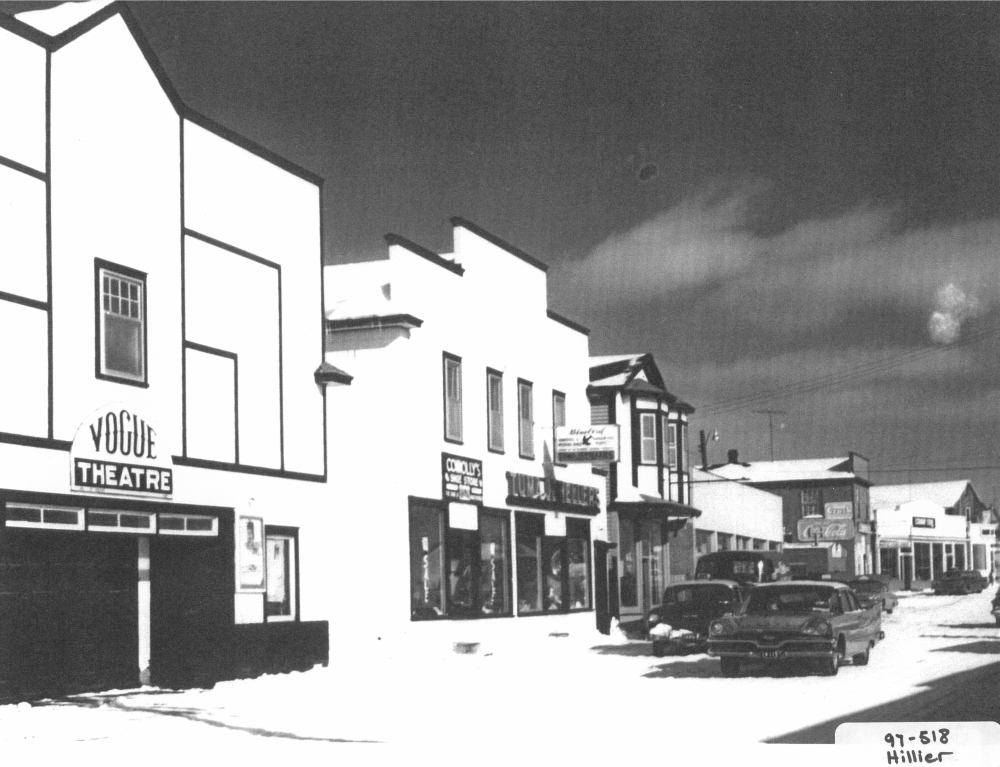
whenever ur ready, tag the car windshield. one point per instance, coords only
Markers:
(791, 599)
(867, 587)
(701, 594)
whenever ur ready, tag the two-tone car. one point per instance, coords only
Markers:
(818, 621)
(680, 622)
(959, 582)
(871, 592)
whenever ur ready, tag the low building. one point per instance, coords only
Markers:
(648, 487)
(734, 516)
(824, 503)
(162, 466)
(460, 524)
(928, 527)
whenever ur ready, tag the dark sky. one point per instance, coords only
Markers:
(794, 206)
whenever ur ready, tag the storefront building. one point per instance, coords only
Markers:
(462, 525)
(162, 466)
(734, 516)
(927, 528)
(648, 486)
(825, 502)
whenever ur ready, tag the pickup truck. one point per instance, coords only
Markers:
(959, 582)
(821, 621)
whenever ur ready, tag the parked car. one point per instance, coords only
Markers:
(996, 606)
(872, 591)
(681, 621)
(959, 582)
(813, 620)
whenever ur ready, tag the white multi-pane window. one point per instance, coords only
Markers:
(810, 502)
(452, 398)
(121, 318)
(494, 410)
(647, 437)
(670, 444)
(525, 420)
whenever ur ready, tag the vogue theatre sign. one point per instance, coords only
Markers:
(119, 450)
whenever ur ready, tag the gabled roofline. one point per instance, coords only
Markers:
(430, 255)
(492, 238)
(54, 43)
(568, 323)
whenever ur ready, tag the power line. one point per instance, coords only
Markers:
(851, 374)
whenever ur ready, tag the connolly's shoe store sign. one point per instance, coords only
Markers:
(119, 450)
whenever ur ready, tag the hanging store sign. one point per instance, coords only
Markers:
(591, 444)
(119, 450)
(825, 530)
(923, 522)
(542, 492)
(461, 478)
(838, 510)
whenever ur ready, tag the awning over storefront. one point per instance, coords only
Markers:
(673, 513)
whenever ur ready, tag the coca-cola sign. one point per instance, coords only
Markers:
(825, 529)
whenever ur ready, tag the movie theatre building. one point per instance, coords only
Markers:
(162, 467)
(463, 525)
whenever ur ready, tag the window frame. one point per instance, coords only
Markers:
(104, 268)
(522, 432)
(671, 446)
(647, 440)
(818, 503)
(290, 534)
(557, 396)
(491, 376)
(447, 360)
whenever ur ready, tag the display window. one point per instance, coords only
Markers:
(458, 573)
(553, 572)
(280, 552)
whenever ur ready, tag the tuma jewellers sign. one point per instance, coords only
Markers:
(119, 450)
(548, 493)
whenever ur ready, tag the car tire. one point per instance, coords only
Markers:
(659, 650)
(862, 658)
(830, 666)
(730, 666)
(998, 620)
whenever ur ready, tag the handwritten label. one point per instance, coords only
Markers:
(952, 744)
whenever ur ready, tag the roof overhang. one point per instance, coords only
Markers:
(331, 374)
(653, 508)
(407, 321)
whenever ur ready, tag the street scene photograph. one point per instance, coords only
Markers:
(397, 381)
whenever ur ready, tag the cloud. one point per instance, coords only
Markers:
(952, 307)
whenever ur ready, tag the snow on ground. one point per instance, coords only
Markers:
(588, 691)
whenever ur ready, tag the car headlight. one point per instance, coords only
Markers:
(820, 628)
(653, 619)
(719, 627)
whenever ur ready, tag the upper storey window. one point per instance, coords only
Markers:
(452, 398)
(121, 323)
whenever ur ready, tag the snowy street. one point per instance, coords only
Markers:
(938, 662)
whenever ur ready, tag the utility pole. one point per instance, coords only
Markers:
(770, 423)
(703, 439)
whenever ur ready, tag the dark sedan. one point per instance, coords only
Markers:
(959, 582)
(871, 591)
(680, 623)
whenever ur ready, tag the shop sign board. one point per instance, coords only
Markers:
(119, 450)
(590, 444)
(543, 492)
(838, 510)
(461, 478)
(924, 522)
(816, 529)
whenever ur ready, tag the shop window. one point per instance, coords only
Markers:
(187, 524)
(937, 558)
(578, 556)
(647, 438)
(281, 569)
(889, 562)
(809, 499)
(960, 556)
(121, 521)
(922, 561)
(530, 530)
(121, 323)
(44, 517)
(629, 582)
(494, 410)
(458, 573)
(525, 419)
(553, 572)
(452, 398)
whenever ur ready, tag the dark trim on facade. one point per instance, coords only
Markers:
(281, 377)
(555, 393)
(50, 328)
(25, 440)
(568, 323)
(263, 471)
(31, 303)
(92, 501)
(135, 274)
(236, 390)
(445, 356)
(494, 240)
(293, 533)
(322, 337)
(430, 255)
(613, 467)
(374, 321)
(25, 169)
(517, 502)
(661, 458)
(520, 420)
(503, 436)
(183, 255)
(636, 442)
(56, 42)
(24, 31)
(230, 248)
(327, 373)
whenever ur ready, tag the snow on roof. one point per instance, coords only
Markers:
(368, 302)
(784, 471)
(944, 494)
(615, 380)
(56, 20)
(607, 359)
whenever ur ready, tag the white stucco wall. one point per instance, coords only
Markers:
(22, 129)
(736, 509)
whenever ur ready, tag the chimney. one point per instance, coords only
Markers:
(734, 456)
